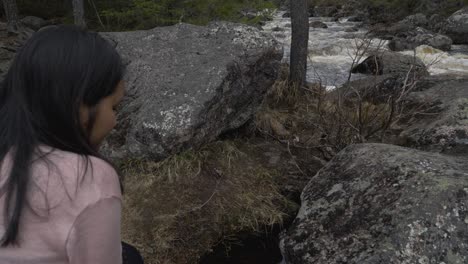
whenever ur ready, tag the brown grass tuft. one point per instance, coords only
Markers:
(178, 209)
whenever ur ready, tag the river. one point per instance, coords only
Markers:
(333, 49)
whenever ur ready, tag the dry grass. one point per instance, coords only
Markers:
(178, 209)
(311, 118)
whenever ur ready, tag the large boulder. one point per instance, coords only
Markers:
(376, 203)
(417, 37)
(457, 26)
(442, 125)
(188, 84)
(391, 63)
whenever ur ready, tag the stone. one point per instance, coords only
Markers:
(420, 36)
(408, 24)
(393, 74)
(352, 29)
(391, 63)
(325, 11)
(375, 89)
(188, 84)
(442, 125)
(317, 24)
(416, 20)
(457, 26)
(388, 32)
(357, 18)
(277, 29)
(437, 23)
(377, 203)
(33, 22)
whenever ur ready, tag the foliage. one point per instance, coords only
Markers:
(144, 14)
(386, 10)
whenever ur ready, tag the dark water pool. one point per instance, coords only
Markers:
(252, 249)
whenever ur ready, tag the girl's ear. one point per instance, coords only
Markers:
(84, 116)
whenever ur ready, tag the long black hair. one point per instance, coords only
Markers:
(56, 71)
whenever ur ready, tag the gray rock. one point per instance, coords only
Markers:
(188, 84)
(391, 63)
(33, 22)
(249, 13)
(317, 24)
(392, 72)
(357, 18)
(402, 27)
(437, 23)
(388, 32)
(277, 29)
(375, 89)
(443, 124)
(420, 36)
(457, 26)
(376, 203)
(325, 11)
(416, 20)
(352, 29)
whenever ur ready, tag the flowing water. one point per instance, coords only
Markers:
(333, 49)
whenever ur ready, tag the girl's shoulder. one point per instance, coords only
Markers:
(78, 173)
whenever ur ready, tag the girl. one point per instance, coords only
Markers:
(60, 201)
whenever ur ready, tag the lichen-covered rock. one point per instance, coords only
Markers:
(457, 26)
(187, 84)
(443, 124)
(376, 203)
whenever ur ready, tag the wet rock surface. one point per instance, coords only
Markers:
(376, 203)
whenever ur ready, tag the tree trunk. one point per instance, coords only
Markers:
(78, 13)
(299, 42)
(11, 12)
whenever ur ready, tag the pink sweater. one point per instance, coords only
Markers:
(82, 224)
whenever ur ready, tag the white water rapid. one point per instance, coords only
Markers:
(332, 50)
